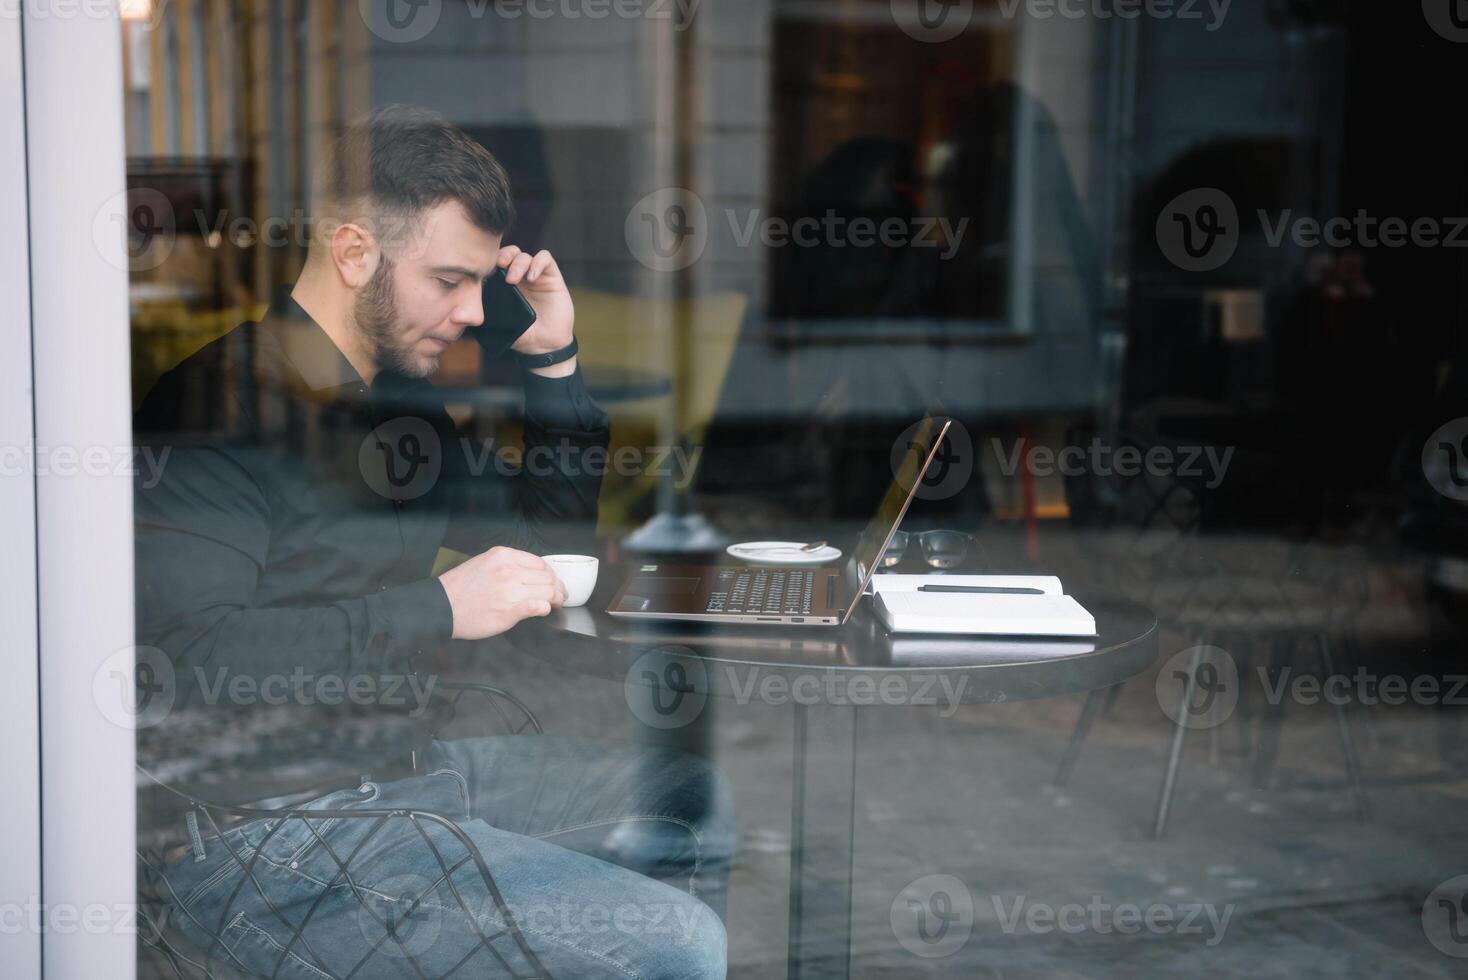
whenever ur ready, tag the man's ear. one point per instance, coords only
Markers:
(355, 253)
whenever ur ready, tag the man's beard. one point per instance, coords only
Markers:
(376, 313)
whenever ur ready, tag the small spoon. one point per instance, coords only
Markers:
(813, 546)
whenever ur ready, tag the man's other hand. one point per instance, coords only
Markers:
(493, 591)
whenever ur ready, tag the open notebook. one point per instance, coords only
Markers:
(900, 604)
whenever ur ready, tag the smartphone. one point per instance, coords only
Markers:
(507, 315)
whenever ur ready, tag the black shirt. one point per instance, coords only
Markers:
(291, 515)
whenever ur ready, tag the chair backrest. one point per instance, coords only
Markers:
(635, 332)
(638, 332)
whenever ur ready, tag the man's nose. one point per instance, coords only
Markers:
(470, 312)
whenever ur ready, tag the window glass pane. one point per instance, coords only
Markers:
(1183, 280)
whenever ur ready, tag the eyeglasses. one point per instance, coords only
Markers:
(939, 549)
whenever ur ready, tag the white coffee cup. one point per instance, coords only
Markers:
(577, 573)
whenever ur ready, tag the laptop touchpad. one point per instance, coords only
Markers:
(644, 590)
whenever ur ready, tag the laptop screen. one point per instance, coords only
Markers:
(922, 445)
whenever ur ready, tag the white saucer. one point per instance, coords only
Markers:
(782, 553)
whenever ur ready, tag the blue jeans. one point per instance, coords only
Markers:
(613, 862)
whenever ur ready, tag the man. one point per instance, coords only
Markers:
(312, 478)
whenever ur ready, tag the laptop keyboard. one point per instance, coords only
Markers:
(767, 592)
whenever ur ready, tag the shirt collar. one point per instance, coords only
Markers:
(313, 353)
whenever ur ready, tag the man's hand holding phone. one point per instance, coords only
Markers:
(496, 589)
(539, 281)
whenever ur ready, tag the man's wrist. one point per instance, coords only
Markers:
(562, 370)
(545, 359)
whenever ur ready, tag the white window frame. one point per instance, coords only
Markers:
(66, 350)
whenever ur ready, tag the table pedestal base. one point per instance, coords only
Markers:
(822, 818)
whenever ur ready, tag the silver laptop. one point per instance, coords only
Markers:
(781, 594)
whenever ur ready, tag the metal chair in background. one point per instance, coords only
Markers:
(1146, 531)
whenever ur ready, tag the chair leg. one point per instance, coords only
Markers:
(1348, 742)
(1089, 710)
(1175, 754)
(1271, 721)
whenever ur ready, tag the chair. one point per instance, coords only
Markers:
(396, 918)
(634, 332)
(1196, 590)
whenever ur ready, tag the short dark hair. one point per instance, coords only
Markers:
(402, 160)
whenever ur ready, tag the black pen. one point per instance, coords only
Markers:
(981, 589)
